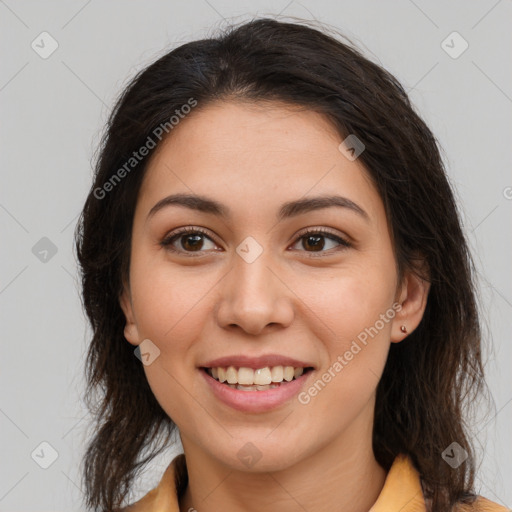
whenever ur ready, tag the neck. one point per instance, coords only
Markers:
(342, 475)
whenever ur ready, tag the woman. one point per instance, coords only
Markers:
(273, 264)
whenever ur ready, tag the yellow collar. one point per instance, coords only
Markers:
(402, 491)
(402, 488)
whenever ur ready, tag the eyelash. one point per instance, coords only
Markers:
(168, 240)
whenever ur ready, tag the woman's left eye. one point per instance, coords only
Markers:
(192, 240)
(315, 239)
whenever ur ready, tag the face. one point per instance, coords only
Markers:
(259, 286)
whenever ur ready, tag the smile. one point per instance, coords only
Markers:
(240, 389)
(260, 379)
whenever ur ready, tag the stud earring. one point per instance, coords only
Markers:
(403, 328)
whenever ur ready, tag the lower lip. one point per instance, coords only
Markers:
(256, 401)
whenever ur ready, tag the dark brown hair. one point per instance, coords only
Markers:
(429, 377)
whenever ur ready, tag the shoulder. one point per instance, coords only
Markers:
(146, 503)
(481, 504)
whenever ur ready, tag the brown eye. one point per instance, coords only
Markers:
(316, 241)
(187, 240)
(191, 242)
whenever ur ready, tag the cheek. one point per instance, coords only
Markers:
(347, 301)
(356, 350)
(169, 301)
(356, 306)
(169, 305)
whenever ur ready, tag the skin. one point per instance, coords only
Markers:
(291, 300)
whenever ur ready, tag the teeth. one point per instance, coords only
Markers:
(288, 373)
(246, 388)
(246, 376)
(264, 388)
(277, 374)
(262, 376)
(231, 375)
(252, 388)
(251, 380)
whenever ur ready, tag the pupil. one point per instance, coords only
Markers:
(317, 241)
(197, 243)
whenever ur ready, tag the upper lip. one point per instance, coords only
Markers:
(256, 362)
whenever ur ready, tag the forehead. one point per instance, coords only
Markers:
(236, 127)
(254, 154)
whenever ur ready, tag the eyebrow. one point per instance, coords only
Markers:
(287, 210)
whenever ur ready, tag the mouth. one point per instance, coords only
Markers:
(259, 379)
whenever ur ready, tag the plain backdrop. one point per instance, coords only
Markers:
(53, 110)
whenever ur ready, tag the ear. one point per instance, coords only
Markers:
(412, 296)
(131, 332)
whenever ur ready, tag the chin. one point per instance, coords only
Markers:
(257, 455)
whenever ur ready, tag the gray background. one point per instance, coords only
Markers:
(52, 114)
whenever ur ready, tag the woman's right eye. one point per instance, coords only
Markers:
(191, 240)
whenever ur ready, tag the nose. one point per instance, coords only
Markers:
(254, 297)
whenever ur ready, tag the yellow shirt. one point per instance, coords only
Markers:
(401, 492)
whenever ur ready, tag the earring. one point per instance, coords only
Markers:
(403, 328)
